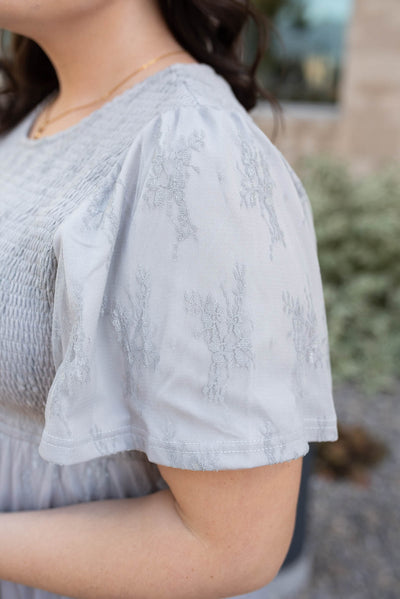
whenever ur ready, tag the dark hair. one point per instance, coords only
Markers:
(211, 31)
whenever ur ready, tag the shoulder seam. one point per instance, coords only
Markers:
(199, 105)
(207, 104)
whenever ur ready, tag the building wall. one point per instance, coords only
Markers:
(365, 127)
(370, 125)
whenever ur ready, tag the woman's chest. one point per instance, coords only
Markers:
(27, 273)
(31, 210)
(38, 191)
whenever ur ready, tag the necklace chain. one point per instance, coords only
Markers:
(47, 120)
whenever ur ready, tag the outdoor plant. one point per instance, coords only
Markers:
(357, 223)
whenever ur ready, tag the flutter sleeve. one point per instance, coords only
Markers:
(189, 319)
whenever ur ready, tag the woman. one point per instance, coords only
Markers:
(164, 355)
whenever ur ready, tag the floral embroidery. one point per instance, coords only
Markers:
(205, 459)
(103, 445)
(226, 332)
(311, 349)
(169, 173)
(175, 448)
(301, 192)
(168, 430)
(257, 188)
(104, 214)
(77, 357)
(135, 334)
(271, 442)
(78, 353)
(59, 390)
(133, 327)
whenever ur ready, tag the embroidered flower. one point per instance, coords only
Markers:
(135, 333)
(311, 349)
(257, 189)
(166, 184)
(226, 330)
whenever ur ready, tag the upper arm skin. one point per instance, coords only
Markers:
(246, 515)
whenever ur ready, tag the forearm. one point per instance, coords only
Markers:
(136, 548)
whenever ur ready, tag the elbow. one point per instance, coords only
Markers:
(251, 568)
(254, 576)
(262, 574)
(248, 570)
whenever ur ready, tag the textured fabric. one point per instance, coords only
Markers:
(160, 299)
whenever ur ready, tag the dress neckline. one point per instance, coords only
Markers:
(197, 68)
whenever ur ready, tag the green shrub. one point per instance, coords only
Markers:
(357, 223)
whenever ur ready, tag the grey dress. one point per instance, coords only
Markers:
(160, 299)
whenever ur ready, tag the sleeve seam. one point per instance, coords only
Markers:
(153, 441)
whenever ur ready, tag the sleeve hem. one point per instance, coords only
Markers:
(220, 456)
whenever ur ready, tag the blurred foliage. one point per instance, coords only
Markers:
(357, 223)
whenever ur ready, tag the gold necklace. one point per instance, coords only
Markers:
(47, 120)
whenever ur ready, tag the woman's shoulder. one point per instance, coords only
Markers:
(193, 95)
(193, 102)
(212, 133)
(196, 84)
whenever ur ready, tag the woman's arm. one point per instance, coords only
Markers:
(222, 533)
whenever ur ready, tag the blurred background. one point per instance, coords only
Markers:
(334, 65)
